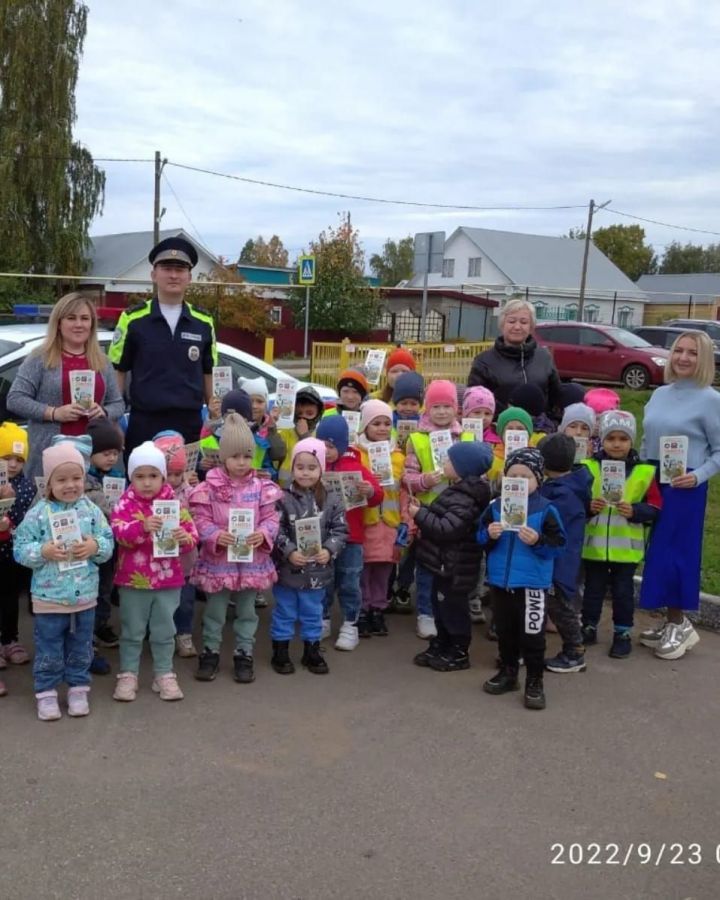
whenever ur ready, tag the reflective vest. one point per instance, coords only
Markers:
(420, 441)
(609, 537)
(290, 436)
(389, 508)
(211, 444)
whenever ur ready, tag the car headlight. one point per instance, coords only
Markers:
(659, 360)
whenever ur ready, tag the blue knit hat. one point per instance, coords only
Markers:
(334, 430)
(237, 401)
(470, 458)
(409, 386)
(81, 442)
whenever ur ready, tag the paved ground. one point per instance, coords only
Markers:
(378, 780)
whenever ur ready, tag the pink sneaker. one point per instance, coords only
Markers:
(126, 687)
(47, 706)
(167, 686)
(78, 701)
(15, 653)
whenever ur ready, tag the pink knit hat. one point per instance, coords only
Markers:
(441, 391)
(173, 446)
(373, 409)
(313, 446)
(602, 400)
(57, 455)
(478, 397)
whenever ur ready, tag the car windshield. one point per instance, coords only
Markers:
(626, 338)
(8, 346)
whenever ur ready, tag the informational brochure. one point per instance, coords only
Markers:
(582, 448)
(6, 504)
(213, 456)
(241, 524)
(192, 454)
(4, 479)
(65, 529)
(381, 462)
(308, 536)
(613, 480)
(515, 439)
(404, 428)
(440, 443)
(374, 362)
(82, 387)
(673, 457)
(352, 417)
(113, 488)
(475, 427)
(285, 401)
(344, 485)
(513, 503)
(165, 545)
(40, 485)
(222, 380)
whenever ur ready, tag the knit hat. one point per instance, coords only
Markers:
(235, 437)
(354, 378)
(617, 420)
(530, 457)
(334, 430)
(409, 386)
(254, 387)
(58, 454)
(147, 454)
(172, 445)
(578, 412)
(602, 400)
(558, 451)
(528, 397)
(440, 392)
(105, 435)
(310, 445)
(470, 458)
(400, 357)
(237, 401)
(570, 392)
(13, 440)
(478, 397)
(514, 414)
(373, 409)
(81, 442)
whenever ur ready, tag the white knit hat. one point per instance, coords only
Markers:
(578, 412)
(147, 454)
(254, 387)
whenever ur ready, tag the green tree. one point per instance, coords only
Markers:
(625, 246)
(233, 305)
(50, 187)
(260, 252)
(340, 300)
(395, 263)
(682, 259)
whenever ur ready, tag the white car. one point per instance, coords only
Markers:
(17, 341)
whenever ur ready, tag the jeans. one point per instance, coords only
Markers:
(291, 606)
(63, 649)
(184, 612)
(423, 591)
(452, 614)
(598, 575)
(375, 577)
(348, 569)
(140, 610)
(520, 624)
(244, 625)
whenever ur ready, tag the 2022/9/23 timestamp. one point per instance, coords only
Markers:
(641, 853)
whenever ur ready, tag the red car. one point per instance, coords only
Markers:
(602, 353)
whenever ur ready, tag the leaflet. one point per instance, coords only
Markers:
(40, 485)
(582, 448)
(613, 480)
(404, 428)
(212, 455)
(308, 536)
(344, 485)
(65, 530)
(221, 380)
(165, 546)
(515, 439)
(6, 504)
(113, 488)
(475, 427)
(673, 457)
(82, 387)
(440, 442)
(241, 524)
(374, 362)
(192, 454)
(381, 462)
(513, 503)
(285, 401)
(352, 417)
(4, 479)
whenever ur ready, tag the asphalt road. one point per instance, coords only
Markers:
(377, 780)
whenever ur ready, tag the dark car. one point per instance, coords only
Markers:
(665, 336)
(602, 353)
(709, 326)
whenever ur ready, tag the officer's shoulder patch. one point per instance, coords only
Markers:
(117, 335)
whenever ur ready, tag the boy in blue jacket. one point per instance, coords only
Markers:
(519, 572)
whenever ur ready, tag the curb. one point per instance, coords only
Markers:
(708, 616)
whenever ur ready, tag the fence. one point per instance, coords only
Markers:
(451, 361)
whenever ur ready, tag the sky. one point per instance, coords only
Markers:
(518, 104)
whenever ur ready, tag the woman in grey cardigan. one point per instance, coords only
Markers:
(41, 392)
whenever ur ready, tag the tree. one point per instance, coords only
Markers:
(233, 305)
(50, 188)
(623, 245)
(395, 264)
(340, 300)
(258, 252)
(682, 259)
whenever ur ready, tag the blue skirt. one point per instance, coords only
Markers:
(671, 576)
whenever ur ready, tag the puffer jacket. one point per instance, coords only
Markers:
(447, 544)
(570, 495)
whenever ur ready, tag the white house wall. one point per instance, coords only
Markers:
(139, 276)
(461, 249)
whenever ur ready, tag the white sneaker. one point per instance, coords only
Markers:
(677, 640)
(477, 613)
(426, 627)
(184, 646)
(166, 685)
(260, 600)
(47, 706)
(78, 704)
(347, 638)
(652, 637)
(325, 633)
(126, 687)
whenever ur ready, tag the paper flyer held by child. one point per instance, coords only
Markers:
(514, 439)
(222, 380)
(4, 480)
(404, 428)
(381, 462)
(308, 537)
(345, 486)
(440, 442)
(352, 417)
(113, 488)
(374, 362)
(673, 457)
(65, 530)
(82, 387)
(582, 448)
(241, 524)
(475, 427)
(192, 454)
(285, 401)
(513, 503)
(165, 546)
(612, 480)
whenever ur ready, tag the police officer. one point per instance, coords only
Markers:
(168, 348)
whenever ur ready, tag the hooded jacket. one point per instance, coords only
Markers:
(570, 495)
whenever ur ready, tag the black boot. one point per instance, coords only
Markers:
(281, 661)
(506, 679)
(424, 657)
(534, 693)
(313, 659)
(378, 628)
(452, 659)
(208, 665)
(243, 667)
(364, 626)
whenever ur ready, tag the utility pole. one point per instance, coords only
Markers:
(157, 212)
(588, 237)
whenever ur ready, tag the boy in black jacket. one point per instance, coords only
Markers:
(447, 548)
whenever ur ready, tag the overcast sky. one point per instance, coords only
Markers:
(519, 103)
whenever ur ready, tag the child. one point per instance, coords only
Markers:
(172, 444)
(578, 421)
(513, 418)
(303, 579)
(149, 587)
(615, 536)
(63, 599)
(600, 401)
(531, 398)
(234, 401)
(233, 485)
(407, 398)
(478, 403)
(352, 388)
(340, 457)
(447, 547)
(262, 425)
(520, 570)
(568, 488)
(309, 409)
(14, 450)
(399, 361)
(380, 545)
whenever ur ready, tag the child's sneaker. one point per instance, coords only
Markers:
(106, 637)
(503, 681)
(401, 601)
(99, 665)
(47, 706)
(208, 665)
(426, 627)
(260, 600)
(534, 693)
(347, 638)
(621, 646)
(452, 659)
(166, 685)
(363, 625)
(126, 687)
(434, 648)
(589, 635)
(243, 668)
(77, 699)
(184, 646)
(313, 660)
(326, 629)
(564, 662)
(477, 613)
(15, 653)
(378, 628)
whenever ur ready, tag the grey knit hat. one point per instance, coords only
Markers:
(235, 437)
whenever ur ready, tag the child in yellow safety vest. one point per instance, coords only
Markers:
(237, 401)
(309, 409)
(511, 419)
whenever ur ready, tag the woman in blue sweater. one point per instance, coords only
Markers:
(686, 405)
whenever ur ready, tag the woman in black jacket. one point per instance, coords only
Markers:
(448, 548)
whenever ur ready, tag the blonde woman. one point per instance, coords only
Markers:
(40, 392)
(686, 405)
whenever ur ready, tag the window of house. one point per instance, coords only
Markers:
(541, 310)
(625, 316)
(474, 267)
(276, 315)
(571, 312)
(591, 313)
(448, 269)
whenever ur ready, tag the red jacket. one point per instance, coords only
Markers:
(350, 462)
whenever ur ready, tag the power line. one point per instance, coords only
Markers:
(664, 224)
(182, 209)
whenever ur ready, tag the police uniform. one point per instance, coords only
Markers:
(167, 370)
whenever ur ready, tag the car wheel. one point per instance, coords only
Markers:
(636, 377)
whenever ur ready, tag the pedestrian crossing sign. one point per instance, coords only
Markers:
(306, 270)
